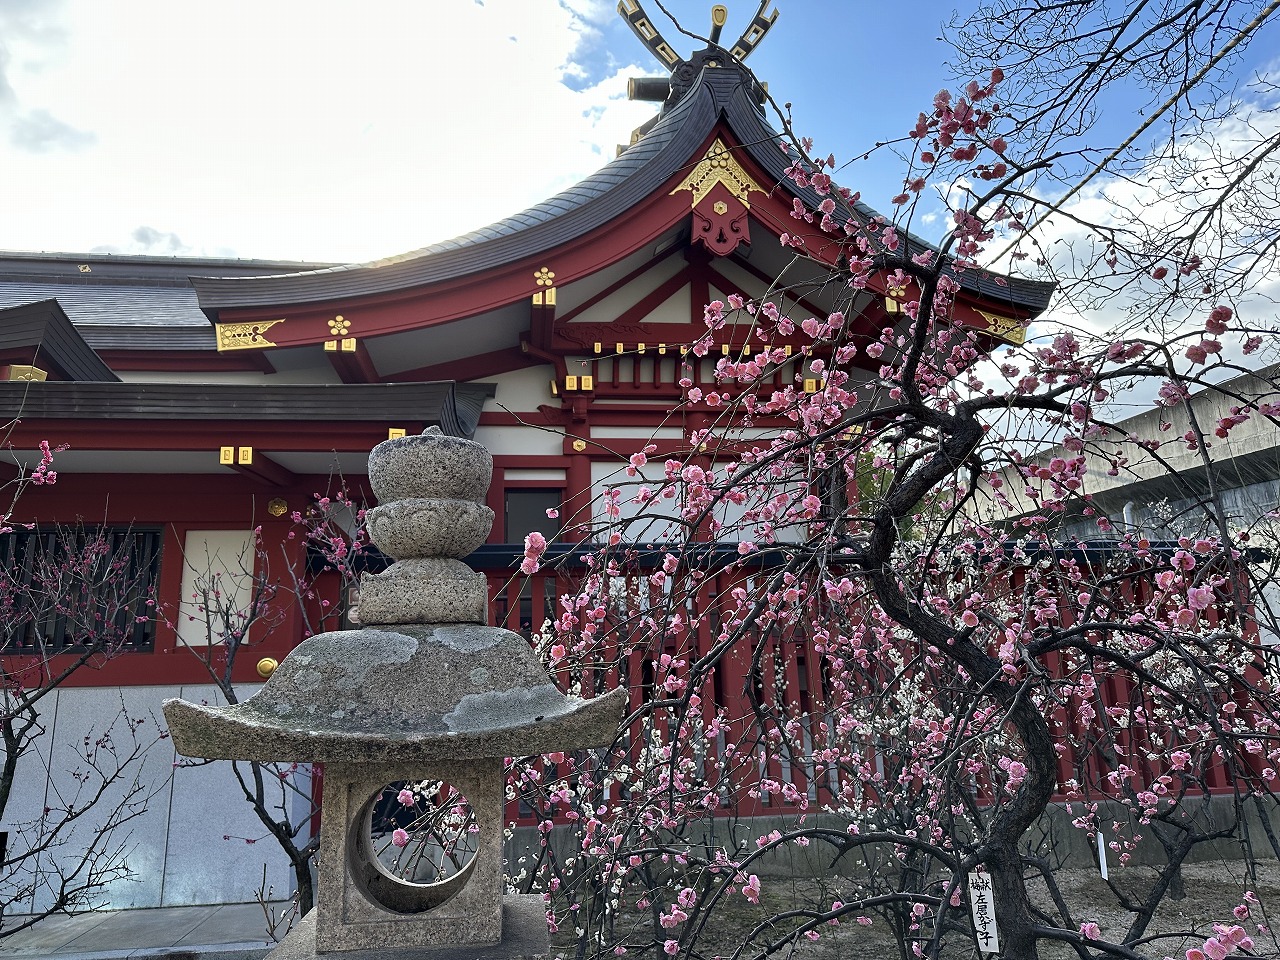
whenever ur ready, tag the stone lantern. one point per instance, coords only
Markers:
(423, 691)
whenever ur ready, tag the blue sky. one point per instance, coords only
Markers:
(854, 72)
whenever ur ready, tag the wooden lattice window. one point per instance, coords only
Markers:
(78, 588)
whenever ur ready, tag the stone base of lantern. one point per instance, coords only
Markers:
(360, 905)
(524, 937)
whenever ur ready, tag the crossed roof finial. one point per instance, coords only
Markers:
(643, 27)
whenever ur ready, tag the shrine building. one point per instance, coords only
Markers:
(201, 400)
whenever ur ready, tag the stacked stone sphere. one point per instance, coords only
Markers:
(431, 490)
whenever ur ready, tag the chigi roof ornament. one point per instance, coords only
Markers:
(684, 72)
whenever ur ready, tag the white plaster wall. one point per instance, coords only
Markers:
(176, 848)
(221, 558)
(521, 390)
(26, 801)
(638, 433)
(521, 441)
(206, 857)
(611, 306)
(216, 846)
(675, 309)
(551, 477)
(98, 721)
(652, 521)
(313, 375)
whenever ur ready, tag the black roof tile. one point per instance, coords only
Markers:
(44, 326)
(454, 408)
(125, 337)
(124, 302)
(102, 303)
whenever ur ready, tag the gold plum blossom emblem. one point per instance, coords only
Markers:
(544, 277)
(339, 327)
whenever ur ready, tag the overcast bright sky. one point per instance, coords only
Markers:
(342, 131)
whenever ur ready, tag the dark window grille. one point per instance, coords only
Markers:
(76, 588)
(526, 511)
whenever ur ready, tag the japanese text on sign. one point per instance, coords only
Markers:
(983, 906)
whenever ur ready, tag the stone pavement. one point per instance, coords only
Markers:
(235, 931)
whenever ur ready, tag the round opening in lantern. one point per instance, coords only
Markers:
(413, 845)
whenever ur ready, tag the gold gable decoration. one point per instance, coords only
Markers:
(245, 336)
(1008, 329)
(718, 166)
(23, 371)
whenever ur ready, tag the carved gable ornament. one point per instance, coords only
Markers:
(245, 336)
(1008, 329)
(721, 191)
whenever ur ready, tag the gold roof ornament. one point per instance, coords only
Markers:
(1009, 329)
(718, 165)
(245, 336)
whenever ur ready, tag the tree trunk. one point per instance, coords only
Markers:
(306, 891)
(1013, 908)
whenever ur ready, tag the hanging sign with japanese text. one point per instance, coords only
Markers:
(983, 906)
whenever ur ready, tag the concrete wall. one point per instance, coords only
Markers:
(189, 840)
(1064, 845)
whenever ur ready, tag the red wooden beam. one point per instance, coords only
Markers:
(307, 436)
(617, 285)
(261, 467)
(350, 359)
(627, 327)
(468, 368)
(542, 318)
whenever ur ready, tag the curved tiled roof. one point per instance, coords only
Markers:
(43, 326)
(124, 301)
(592, 203)
(454, 407)
(93, 305)
(588, 204)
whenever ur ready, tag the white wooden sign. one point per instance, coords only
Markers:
(982, 904)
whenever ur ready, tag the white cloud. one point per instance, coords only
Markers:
(1151, 210)
(320, 130)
